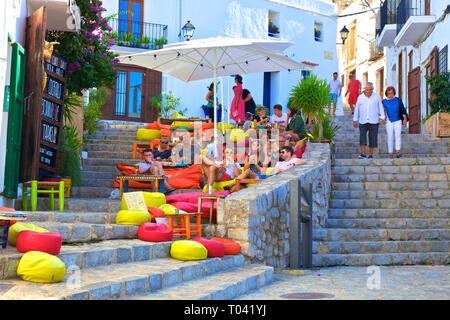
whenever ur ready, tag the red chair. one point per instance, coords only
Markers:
(215, 249)
(154, 232)
(48, 242)
(231, 247)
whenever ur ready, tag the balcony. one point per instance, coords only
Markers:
(375, 52)
(387, 23)
(413, 21)
(140, 35)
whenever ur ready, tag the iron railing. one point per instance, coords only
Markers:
(387, 15)
(407, 9)
(139, 34)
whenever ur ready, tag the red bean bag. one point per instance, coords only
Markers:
(153, 126)
(48, 242)
(126, 169)
(231, 247)
(154, 232)
(155, 212)
(215, 249)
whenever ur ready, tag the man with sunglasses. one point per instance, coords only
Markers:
(289, 161)
(163, 151)
(152, 167)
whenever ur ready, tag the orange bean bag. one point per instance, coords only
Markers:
(153, 126)
(231, 247)
(126, 169)
(155, 212)
(134, 185)
(185, 178)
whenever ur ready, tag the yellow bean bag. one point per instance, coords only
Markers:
(132, 217)
(16, 228)
(148, 134)
(188, 250)
(41, 267)
(224, 124)
(170, 209)
(218, 186)
(237, 135)
(152, 199)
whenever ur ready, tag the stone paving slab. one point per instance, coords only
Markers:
(379, 234)
(441, 203)
(389, 223)
(226, 285)
(72, 217)
(391, 186)
(388, 213)
(396, 283)
(92, 255)
(121, 280)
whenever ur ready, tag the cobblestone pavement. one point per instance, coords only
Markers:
(397, 283)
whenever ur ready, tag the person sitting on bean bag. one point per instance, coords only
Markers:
(150, 166)
(163, 152)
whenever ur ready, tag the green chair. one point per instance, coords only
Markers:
(34, 188)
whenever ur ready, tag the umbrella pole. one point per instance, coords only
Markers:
(223, 105)
(215, 96)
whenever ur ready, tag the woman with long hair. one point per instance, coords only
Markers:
(237, 109)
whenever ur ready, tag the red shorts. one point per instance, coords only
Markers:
(225, 177)
(352, 99)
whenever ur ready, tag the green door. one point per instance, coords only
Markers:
(15, 119)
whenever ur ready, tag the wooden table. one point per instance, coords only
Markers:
(7, 217)
(212, 198)
(185, 229)
(171, 120)
(157, 186)
(239, 182)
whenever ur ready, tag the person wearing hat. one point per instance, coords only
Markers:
(248, 121)
(261, 119)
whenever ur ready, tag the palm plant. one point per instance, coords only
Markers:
(311, 96)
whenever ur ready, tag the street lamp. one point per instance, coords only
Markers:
(188, 30)
(344, 34)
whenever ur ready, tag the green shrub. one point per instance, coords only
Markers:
(70, 154)
(92, 112)
(440, 91)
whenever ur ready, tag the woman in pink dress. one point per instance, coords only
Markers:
(237, 109)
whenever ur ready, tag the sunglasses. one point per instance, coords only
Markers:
(148, 155)
(282, 152)
(164, 142)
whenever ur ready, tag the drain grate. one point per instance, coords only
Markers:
(307, 296)
(5, 288)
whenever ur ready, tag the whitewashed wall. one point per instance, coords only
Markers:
(13, 19)
(248, 18)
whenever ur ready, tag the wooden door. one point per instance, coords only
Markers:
(15, 120)
(427, 7)
(381, 81)
(414, 100)
(400, 75)
(35, 38)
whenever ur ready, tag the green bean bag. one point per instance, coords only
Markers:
(17, 227)
(188, 250)
(132, 217)
(41, 267)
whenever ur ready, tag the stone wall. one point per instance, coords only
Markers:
(258, 217)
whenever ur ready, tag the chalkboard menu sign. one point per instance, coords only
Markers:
(51, 115)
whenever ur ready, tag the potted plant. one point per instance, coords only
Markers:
(311, 96)
(329, 131)
(438, 124)
(145, 42)
(160, 42)
(273, 29)
(166, 104)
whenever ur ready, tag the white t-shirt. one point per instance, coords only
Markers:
(335, 85)
(143, 167)
(230, 169)
(279, 120)
(284, 165)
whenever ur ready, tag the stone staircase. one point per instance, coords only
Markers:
(110, 145)
(387, 211)
(111, 264)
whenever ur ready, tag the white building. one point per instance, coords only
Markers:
(296, 20)
(359, 54)
(416, 36)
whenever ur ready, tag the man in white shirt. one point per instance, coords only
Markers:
(289, 160)
(335, 93)
(278, 116)
(369, 114)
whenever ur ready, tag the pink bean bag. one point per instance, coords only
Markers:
(154, 232)
(48, 242)
(189, 202)
(215, 248)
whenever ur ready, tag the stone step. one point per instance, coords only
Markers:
(389, 223)
(111, 162)
(443, 203)
(80, 205)
(393, 186)
(100, 168)
(227, 285)
(93, 255)
(380, 234)
(388, 213)
(390, 194)
(392, 177)
(417, 258)
(410, 161)
(123, 280)
(402, 169)
(336, 247)
(72, 217)
(382, 150)
(87, 232)
(119, 124)
(99, 182)
(96, 174)
(92, 192)
(354, 156)
(90, 147)
(110, 155)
